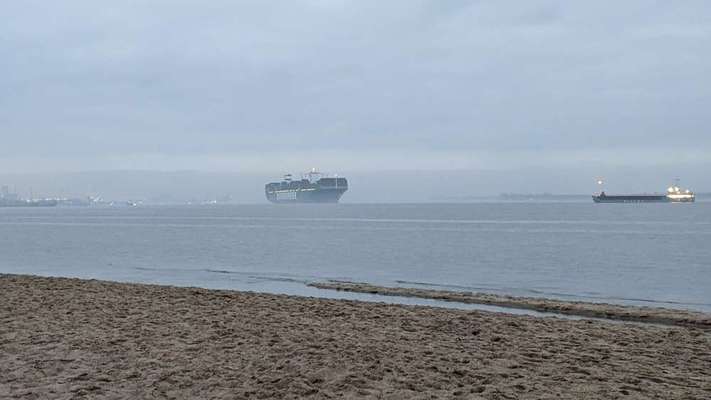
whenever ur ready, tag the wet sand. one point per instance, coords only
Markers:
(578, 308)
(70, 338)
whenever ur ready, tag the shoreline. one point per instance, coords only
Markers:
(64, 337)
(656, 315)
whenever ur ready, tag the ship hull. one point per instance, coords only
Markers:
(305, 196)
(641, 199)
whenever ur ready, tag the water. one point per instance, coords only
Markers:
(645, 254)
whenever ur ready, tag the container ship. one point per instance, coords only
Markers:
(313, 187)
(674, 194)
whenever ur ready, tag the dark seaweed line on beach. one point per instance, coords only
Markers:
(662, 316)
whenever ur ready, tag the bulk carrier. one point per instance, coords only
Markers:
(674, 194)
(313, 187)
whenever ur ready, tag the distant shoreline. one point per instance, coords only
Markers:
(534, 197)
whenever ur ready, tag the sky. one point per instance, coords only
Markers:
(266, 87)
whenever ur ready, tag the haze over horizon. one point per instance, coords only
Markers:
(531, 97)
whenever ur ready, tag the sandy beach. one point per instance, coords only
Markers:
(70, 338)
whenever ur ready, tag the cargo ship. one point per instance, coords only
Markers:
(674, 194)
(313, 187)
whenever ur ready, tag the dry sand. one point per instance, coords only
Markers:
(583, 309)
(69, 338)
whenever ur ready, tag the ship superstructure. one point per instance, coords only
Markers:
(313, 187)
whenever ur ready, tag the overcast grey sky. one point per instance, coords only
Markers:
(353, 85)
